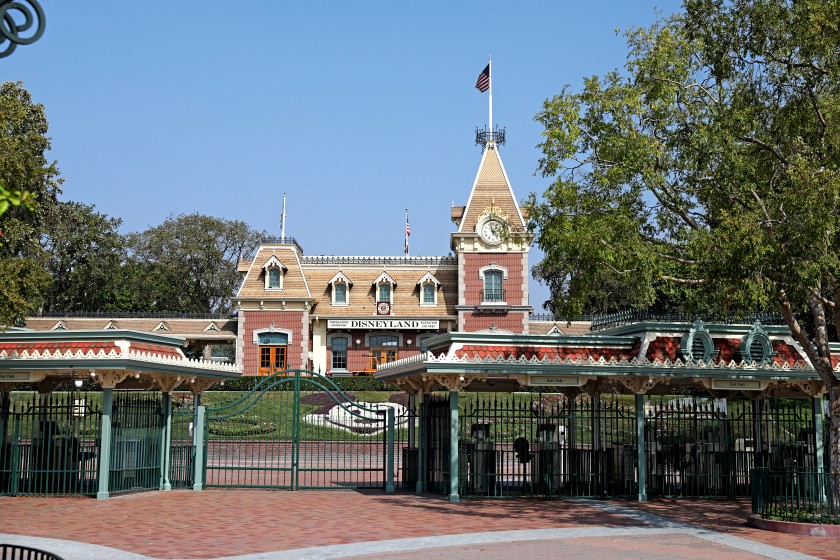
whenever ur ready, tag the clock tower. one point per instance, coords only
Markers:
(491, 245)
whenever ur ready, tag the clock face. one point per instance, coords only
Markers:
(492, 231)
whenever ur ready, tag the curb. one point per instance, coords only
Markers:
(794, 527)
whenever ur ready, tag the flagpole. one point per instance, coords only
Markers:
(283, 220)
(406, 232)
(490, 98)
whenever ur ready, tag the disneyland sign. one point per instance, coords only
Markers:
(382, 324)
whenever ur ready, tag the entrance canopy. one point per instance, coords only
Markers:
(112, 358)
(642, 358)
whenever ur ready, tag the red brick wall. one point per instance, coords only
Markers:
(474, 284)
(290, 320)
(513, 285)
(513, 322)
(359, 358)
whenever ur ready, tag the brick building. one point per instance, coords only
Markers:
(347, 315)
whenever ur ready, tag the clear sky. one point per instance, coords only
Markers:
(357, 110)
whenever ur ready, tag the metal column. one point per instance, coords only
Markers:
(198, 439)
(453, 447)
(423, 443)
(166, 440)
(105, 443)
(641, 456)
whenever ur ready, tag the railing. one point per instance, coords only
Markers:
(493, 296)
(602, 322)
(271, 240)
(791, 494)
(18, 552)
(380, 261)
(132, 315)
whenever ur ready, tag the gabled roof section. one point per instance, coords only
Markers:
(212, 327)
(428, 277)
(162, 326)
(60, 326)
(295, 285)
(384, 277)
(112, 325)
(274, 262)
(491, 188)
(340, 277)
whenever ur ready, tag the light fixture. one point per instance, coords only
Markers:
(78, 383)
(358, 341)
(408, 342)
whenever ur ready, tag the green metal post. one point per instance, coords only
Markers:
(454, 476)
(198, 439)
(166, 441)
(422, 409)
(389, 464)
(641, 456)
(105, 443)
(296, 432)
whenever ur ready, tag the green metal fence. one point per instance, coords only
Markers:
(137, 430)
(801, 495)
(296, 430)
(703, 447)
(49, 443)
(182, 441)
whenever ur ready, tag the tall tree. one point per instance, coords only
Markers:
(188, 263)
(85, 253)
(710, 164)
(30, 185)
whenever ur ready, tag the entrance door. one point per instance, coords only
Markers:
(272, 353)
(383, 349)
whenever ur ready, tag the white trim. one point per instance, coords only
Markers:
(256, 332)
(162, 326)
(434, 303)
(340, 276)
(60, 326)
(274, 262)
(428, 277)
(111, 326)
(212, 327)
(493, 266)
(383, 278)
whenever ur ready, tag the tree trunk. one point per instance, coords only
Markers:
(834, 430)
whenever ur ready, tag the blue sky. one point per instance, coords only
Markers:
(357, 110)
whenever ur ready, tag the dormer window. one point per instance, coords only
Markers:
(340, 289)
(340, 293)
(384, 286)
(274, 271)
(428, 290)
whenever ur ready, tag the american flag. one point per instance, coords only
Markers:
(407, 233)
(483, 83)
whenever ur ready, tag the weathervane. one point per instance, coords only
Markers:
(11, 28)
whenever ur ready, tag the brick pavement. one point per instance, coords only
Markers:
(218, 523)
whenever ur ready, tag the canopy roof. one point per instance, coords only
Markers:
(647, 357)
(111, 358)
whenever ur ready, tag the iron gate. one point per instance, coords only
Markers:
(296, 429)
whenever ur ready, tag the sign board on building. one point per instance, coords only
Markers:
(736, 384)
(14, 376)
(409, 324)
(554, 381)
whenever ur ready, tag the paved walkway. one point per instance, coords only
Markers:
(273, 525)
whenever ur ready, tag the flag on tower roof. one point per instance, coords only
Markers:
(483, 82)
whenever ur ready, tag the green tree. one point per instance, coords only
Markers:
(710, 167)
(30, 185)
(85, 255)
(188, 263)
